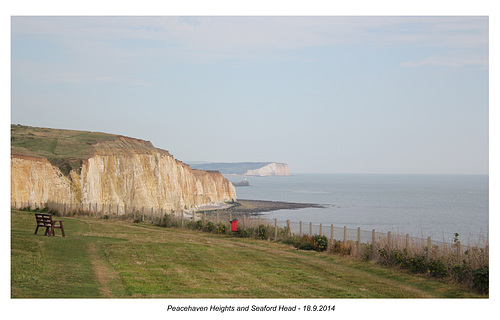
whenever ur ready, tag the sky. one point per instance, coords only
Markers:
(325, 94)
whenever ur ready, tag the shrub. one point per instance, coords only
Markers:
(246, 233)
(263, 232)
(304, 243)
(480, 279)
(341, 248)
(198, 225)
(399, 258)
(221, 228)
(437, 269)
(320, 243)
(210, 227)
(461, 273)
(194, 225)
(417, 264)
(293, 240)
(366, 252)
(164, 222)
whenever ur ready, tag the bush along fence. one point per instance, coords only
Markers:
(467, 264)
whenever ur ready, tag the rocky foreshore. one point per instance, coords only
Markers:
(242, 206)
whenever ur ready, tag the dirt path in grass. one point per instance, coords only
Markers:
(103, 274)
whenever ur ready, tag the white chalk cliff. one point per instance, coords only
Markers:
(125, 171)
(272, 169)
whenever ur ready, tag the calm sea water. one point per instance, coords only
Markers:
(421, 205)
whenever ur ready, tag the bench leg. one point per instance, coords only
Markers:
(36, 230)
(62, 229)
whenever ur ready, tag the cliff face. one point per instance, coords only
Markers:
(34, 179)
(125, 171)
(272, 169)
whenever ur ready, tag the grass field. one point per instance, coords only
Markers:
(107, 258)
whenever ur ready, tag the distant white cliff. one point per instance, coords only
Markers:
(272, 169)
(245, 168)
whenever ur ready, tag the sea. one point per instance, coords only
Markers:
(438, 206)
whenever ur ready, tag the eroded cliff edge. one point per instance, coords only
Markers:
(121, 171)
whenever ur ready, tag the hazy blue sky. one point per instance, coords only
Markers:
(323, 94)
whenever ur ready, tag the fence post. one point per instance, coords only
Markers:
(345, 234)
(331, 234)
(182, 218)
(288, 229)
(359, 241)
(407, 241)
(374, 247)
(300, 228)
(142, 213)
(217, 218)
(109, 209)
(310, 229)
(458, 252)
(275, 229)
(429, 248)
(320, 229)
(258, 227)
(204, 219)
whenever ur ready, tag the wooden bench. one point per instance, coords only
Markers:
(45, 220)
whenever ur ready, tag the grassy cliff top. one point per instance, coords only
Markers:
(63, 148)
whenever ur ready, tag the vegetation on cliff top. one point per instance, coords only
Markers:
(65, 149)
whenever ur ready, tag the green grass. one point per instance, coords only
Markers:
(63, 148)
(106, 258)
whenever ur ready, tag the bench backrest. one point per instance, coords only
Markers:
(43, 219)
